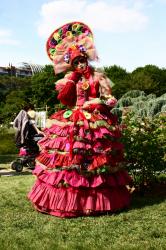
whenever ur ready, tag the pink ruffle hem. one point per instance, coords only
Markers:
(81, 195)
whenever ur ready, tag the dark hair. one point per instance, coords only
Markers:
(28, 106)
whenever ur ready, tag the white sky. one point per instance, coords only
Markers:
(128, 33)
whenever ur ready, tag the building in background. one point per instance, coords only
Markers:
(22, 69)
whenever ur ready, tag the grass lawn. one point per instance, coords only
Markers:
(21, 227)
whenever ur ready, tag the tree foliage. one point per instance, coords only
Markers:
(40, 90)
(43, 88)
(120, 78)
(14, 93)
(150, 79)
(15, 101)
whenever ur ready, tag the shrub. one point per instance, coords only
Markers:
(140, 104)
(7, 145)
(134, 93)
(145, 146)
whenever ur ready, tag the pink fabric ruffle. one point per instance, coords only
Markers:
(53, 160)
(55, 143)
(100, 132)
(74, 179)
(59, 130)
(56, 160)
(71, 202)
(81, 145)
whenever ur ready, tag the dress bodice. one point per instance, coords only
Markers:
(87, 89)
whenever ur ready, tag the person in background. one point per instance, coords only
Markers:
(25, 126)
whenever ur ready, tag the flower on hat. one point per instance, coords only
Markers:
(67, 58)
(69, 34)
(74, 26)
(74, 51)
(52, 51)
(52, 43)
(56, 36)
(82, 48)
(73, 47)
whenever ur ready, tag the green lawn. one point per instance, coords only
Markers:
(21, 227)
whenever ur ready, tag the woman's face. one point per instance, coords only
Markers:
(80, 63)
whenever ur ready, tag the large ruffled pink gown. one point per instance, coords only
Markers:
(79, 169)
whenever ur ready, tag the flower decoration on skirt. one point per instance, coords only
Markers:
(87, 115)
(67, 114)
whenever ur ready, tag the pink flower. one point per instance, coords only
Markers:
(111, 102)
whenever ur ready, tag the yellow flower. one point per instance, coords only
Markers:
(75, 26)
(73, 47)
(56, 36)
(69, 34)
(85, 85)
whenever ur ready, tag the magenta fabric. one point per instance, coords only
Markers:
(79, 169)
(71, 202)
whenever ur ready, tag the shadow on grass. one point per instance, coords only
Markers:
(155, 195)
(13, 173)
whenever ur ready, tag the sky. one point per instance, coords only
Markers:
(127, 33)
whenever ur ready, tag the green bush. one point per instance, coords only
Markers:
(134, 93)
(161, 178)
(145, 146)
(7, 144)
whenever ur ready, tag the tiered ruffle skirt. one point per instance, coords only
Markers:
(78, 170)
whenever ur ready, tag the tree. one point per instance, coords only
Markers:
(143, 81)
(119, 76)
(15, 101)
(43, 88)
(115, 73)
(14, 93)
(154, 77)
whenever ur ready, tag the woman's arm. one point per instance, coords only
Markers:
(67, 91)
(38, 131)
(106, 91)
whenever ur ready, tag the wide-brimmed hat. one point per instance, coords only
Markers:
(71, 40)
(31, 114)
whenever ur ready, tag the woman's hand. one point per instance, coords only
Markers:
(110, 101)
(41, 133)
(93, 101)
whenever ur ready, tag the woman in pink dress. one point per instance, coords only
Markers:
(80, 167)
